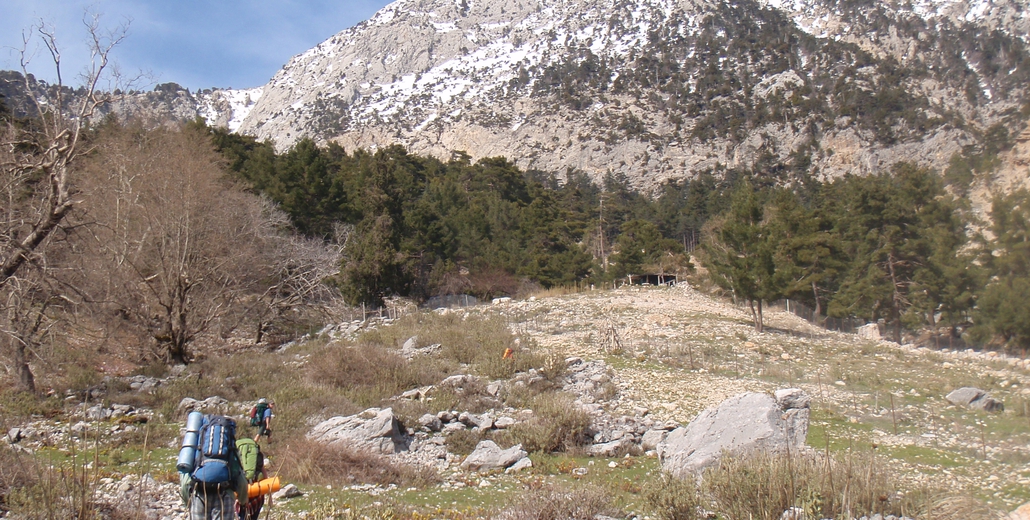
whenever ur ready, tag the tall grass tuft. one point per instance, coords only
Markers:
(321, 464)
(45, 488)
(763, 486)
(671, 498)
(367, 374)
(556, 502)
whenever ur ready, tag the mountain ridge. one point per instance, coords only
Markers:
(406, 76)
(653, 90)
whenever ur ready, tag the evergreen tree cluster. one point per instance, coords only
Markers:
(419, 227)
(895, 248)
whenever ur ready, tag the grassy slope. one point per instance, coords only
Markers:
(680, 352)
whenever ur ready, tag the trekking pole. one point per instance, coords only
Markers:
(271, 503)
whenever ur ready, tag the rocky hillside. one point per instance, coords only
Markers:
(658, 89)
(225, 108)
(639, 362)
(653, 89)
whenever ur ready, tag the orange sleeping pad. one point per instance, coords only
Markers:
(263, 487)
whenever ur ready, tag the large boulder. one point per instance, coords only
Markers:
(211, 405)
(870, 331)
(741, 424)
(373, 430)
(489, 456)
(975, 398)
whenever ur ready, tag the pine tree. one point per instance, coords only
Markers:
(741, 253)
(808, 254)
(1003, 307)
(898, 229)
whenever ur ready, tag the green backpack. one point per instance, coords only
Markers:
(257, 414)
(250, 457)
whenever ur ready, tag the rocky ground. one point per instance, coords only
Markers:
(645, 359)
(682, 352)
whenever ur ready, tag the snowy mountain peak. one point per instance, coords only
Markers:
(659, 89)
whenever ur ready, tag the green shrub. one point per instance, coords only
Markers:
(462, 442)
(558, 424)
(21, 405)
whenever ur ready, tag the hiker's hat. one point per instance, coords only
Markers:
(262, 401)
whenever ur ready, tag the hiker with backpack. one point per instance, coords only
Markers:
(253, 462)
(261, 417)
(214, 474)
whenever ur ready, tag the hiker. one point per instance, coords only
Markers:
(217, 474)
(261, 416)
(253, 462)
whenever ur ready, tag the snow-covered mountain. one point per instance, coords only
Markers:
(658, 89)
(649, 89)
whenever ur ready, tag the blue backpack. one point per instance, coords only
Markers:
(215, 450)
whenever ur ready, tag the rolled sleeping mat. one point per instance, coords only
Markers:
(193, 421)
(190, 442)
(263, 487)
(187, 456)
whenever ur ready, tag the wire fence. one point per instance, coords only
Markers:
(851, 325)
(806, 313)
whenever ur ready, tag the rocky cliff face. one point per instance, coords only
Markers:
(649, 89)
(658, 89)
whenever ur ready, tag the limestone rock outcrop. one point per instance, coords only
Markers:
(739, 425)
(376, 430)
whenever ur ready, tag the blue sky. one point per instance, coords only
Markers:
(195, 43)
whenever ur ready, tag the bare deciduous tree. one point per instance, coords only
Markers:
(38, 157)
(184, 252)
(298, 268)
(169, 233)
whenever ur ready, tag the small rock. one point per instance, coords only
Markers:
(523, 463)
(452, 427)
(489, 456)
(486, 422)
(609, 449)
(652, 438)
(504, 422)
(287, 491)
(430, 422)
(792, 398)
(1021, 513)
